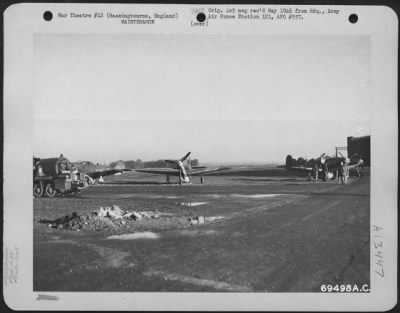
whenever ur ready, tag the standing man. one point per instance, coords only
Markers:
(315, 171)
(346, 170)
(324, 165)
(341, 174)
(326, 171)
(63, 165)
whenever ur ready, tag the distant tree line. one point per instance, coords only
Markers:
(85, 166)
(132, 164)
(194, 162)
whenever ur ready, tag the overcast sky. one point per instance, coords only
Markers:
(225, 98)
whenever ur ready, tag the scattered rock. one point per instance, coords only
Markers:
(144, 214)
(112, 212)
(197, 220)
(202, 219)
(193, 221)
(136, 216)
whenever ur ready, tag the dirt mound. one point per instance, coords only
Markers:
(117, 220)
(105, 218)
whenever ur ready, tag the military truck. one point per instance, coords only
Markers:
(56, 176)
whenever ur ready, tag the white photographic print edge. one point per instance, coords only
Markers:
(241, 90)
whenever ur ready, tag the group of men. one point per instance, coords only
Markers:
(342, 172)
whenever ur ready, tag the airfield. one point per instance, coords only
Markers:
(243, 230)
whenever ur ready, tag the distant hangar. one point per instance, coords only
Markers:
(360, 146)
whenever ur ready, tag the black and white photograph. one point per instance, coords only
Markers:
(213, 160)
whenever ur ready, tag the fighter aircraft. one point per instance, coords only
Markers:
(324, 164)
(183, 169)
(96, 176)
(92, 176)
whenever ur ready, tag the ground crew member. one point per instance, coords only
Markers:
(341, 174)
(63, 165)
(346, 170)
(358, 171)
(324, 167)
(326, 171)
(315, 171)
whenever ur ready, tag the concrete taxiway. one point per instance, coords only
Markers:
(260, 236)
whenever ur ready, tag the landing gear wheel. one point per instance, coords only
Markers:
(50, 191)
(38, 189)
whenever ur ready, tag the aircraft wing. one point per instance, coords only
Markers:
(201, 172)
(349, 166)
(355, 165)
(162, 171)
(97, 174)
(300, 168)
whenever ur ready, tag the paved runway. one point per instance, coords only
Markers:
(286, 236)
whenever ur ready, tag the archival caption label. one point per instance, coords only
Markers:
(122, 17)
(253, 13)
(378, 250)
(211, 14)
(11, 265)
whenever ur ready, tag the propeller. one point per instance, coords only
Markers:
(177, 161)
(346, 160)
(185, 157)
(183, 175)
(189, 165)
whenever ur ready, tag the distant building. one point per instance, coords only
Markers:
(360, 146)
(118, 165)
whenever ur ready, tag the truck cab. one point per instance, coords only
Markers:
(55, 176)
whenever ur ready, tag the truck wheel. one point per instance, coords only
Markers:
(38, 189)
(50, 191)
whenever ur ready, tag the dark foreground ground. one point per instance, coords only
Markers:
(262, 232)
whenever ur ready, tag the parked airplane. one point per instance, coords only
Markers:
(183, 169)
(91, 177)
(324, 164)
